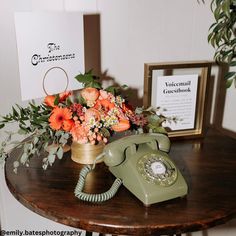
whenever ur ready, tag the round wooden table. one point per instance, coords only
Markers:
(208, 165)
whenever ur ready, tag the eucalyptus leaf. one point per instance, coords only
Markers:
(3, 144)
(24, 158)
(60, 153)
(51, 158)
(35, 141)
(16, 164)
(52, 149)
(66, 135)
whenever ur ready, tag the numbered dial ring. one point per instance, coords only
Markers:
(157, 170)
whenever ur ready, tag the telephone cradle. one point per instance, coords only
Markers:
(141, 163)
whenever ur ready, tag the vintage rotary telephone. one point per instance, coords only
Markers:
(141, 163)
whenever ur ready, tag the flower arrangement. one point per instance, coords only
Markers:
(92, 116)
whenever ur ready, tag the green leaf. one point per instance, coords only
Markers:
(226, 7)
(1, 126)
(35, 141)
(112, 89)
(95, 84)
(213, 25)
(52, 149)
(217, 13)
(51, 159)
(124, 86)
(210, 36)
(88, 80)
(68, 102)
(15, 113)
(84, 78)
(24, 158)
(229, 83)
(60, 153)
(81, 100)
(24, 129)
(22, 122)
(16, 164)
(232, 63)
(57, 99)
(229, 75)
(138, 110)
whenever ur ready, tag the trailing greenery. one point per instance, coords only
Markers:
(222, 35)
(33, 124)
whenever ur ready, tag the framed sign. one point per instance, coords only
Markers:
(179, 89)
(49, 43)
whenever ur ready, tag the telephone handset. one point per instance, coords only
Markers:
(141, 163)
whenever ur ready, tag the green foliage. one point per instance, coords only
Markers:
(115, 89)
(222, 35)
(88, 80)
(33, 124)
(155, 119)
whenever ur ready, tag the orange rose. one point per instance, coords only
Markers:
(92, 112)
(107, 105)
(121, 126)
(49, 100)
(89, 94)
(63, 96)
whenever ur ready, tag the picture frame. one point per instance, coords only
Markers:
(180, 89)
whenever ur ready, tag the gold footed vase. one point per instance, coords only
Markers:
(86, 153)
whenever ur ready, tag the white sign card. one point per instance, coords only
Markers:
(177, 95)
(46, 40)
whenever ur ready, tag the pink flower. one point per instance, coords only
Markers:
(77, 108)
(105, 95)
(90, 95)
(49, 100)
(92, 112)
(80, 133)
(139, 120)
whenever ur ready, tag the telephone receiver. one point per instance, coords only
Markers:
(141, 163)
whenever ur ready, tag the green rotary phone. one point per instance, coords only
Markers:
(141, 163)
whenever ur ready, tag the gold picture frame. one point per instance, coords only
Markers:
(174, 71)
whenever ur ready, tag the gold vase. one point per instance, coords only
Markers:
(86, 153)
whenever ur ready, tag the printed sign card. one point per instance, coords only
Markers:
(51, 44)
(178, 94)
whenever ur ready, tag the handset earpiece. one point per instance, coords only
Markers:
(113, 155)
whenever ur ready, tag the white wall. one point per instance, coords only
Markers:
(132, 32)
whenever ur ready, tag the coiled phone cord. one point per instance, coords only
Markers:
(95, 198)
